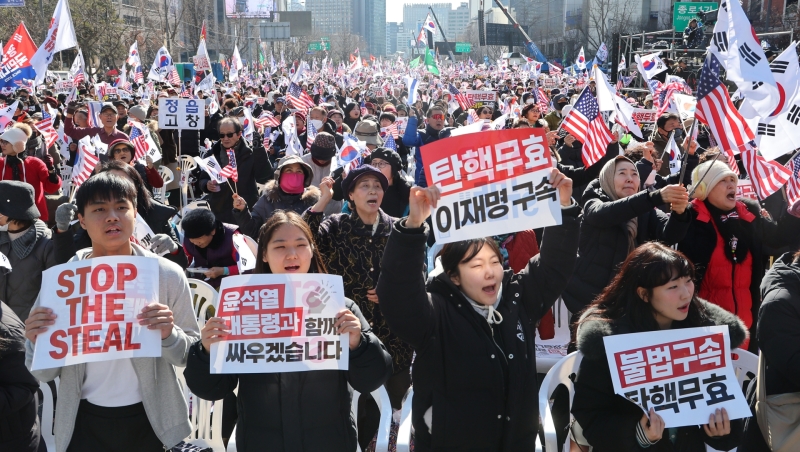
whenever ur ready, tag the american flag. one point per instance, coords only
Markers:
(138, 76)
(173, 78)
(364, 111)
(311, 135)
(585, 123)
(84, 163)
(267, 119)
(542, 100)
(461, 98)
(79, 77)
(390, 130)
(793, 185)
(45, 126)
(390, 143)
(732, 162)
(715, 109)
(554, 70)
(93, 116)
(473, 116)
(767, 177)
(139, 142)
(230, 171)
(299, 98)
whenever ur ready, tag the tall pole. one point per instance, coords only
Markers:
(166, 26)
(441, 30)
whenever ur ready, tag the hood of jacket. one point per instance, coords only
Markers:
(784, 274)
(23, 246)
(273, 192)
(592, 331)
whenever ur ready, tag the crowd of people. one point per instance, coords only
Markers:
(638, 249)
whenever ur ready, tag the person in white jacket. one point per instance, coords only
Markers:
(124, 405)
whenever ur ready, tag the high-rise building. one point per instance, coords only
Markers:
(296, 5)
(458, 22)
(331, 16)
(414, 15)
(366, 18)
(375, 26)
(391, 37)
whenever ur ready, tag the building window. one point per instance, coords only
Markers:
(132, 20)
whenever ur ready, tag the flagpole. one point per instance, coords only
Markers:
(694, 187)
(685, 156)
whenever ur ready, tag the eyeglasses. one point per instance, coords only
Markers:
(380, 165)
(228, 135)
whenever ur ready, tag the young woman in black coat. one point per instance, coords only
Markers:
(472, 327)
(293, 411)
(653, 291)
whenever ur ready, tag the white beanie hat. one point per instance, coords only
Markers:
(14, 136)
(718, 171)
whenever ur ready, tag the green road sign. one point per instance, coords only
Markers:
(318, 46)
(463, 47)
(686, 11)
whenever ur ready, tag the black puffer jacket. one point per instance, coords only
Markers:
(296, 411)
(480, 382)
(604, 238)
(609, 420)
(19, 425)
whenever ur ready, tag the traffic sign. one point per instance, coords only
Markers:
(686, 11)
(463, 47)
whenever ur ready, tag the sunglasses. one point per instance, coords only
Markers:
(437, 116)
(228, 135)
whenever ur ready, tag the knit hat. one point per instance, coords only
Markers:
(324, 147)
(335, 111)
(138, 112)
(367, 131)
(364, 170)
(288, 160)
(17, 200)
(16, 136)
(197, 223)
(718, 171)
(387, 155)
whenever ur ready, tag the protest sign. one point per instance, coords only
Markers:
(684, 374)
(64, 86)
(745, 189)
(644, 115)
(495, 182)
(402, 123)
(481, 97)
(96, 302)
(280, 323)
(181, 114)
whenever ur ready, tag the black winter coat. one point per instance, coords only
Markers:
(604, 238)
(295, 411)
(253, 166)
(609, 420)
(19, 425)
(158, 218)
(701, 238)
(484, 396)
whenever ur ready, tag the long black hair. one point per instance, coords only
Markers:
(648, 266)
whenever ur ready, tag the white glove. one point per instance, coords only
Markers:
(163, 244)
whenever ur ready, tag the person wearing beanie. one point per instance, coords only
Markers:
(26, 241)
(124, 151)
(319, 160)
(618, 217)
(16, 165)
(290, 190)
(352, 246)
(122, 113)
(395, 198)
(208, 244)
(337, 116)
(726, 241)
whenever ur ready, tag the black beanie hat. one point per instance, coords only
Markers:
(197, 223)
(387, 155)
(324, 146)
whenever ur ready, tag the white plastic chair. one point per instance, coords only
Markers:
(745, 366)
(206, 422)
(559, 374)
(160, 194)
(203, 297)
(48, 413)
(551, 351)
(187, 166)
(381, 398)
(232, 441)
(404, 430)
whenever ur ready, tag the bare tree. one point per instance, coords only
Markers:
(603, 18)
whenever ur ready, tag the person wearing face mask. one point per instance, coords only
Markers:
(666, 125)
(319, 159)
(555, 117)
(726, 240)
(618, 217)
(290, 190)
(471, 325)
(418, 138)
(318, 117)
(16, 165)
(27, 243)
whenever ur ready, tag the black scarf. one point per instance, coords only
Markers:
(735, 232)
(16, 162)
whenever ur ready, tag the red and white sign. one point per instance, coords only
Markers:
(491, 183)
(644, 115)
(684, 374)
(481, 97)
(280, 323)
(96, 302)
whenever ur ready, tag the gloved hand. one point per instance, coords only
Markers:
(65, 213)
(48, 161)
(71, 107)
(162, 244)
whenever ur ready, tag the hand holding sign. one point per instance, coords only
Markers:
(348, 323)
(213, 331)
(718, 424)
(653, 427)
(37, 322)
(564, 185)
(420, 202)
(157, 316)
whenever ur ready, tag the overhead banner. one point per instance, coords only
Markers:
(96, 302)
(494, 182)
(181, 114)
(16, 58)
(280, 323)
(685, 375)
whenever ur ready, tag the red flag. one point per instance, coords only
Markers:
(231, 171)
(793, 185)
(767, 177)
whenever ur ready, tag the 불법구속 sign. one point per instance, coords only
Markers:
(96, 302)
(280, 323)
(685, 375)
(491, 183)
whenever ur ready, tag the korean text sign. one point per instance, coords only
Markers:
(175, 113)
(491, 183)
(684, 374)
(481, 97)
(96, 302)
(280, 323)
